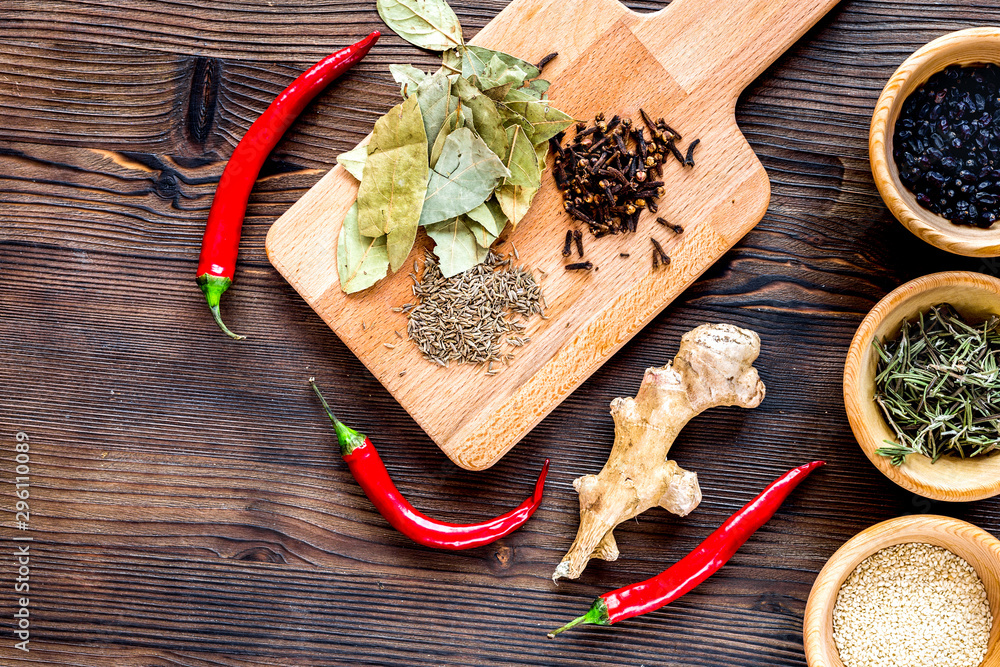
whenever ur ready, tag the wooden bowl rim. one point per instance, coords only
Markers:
(817, 633)
(855, 376)
(930, 227)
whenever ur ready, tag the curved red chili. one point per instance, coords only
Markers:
(698, 565)
(221, 243)
(368, 469)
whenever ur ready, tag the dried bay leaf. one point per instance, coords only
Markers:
(451, 61)
(530, 71)
(485, 118)
(467, 119)
(542, 154)
(545, 121)
(399, 242)
(455, 246)
(361, 261)
(436, 102)
(408, 77)
(429, 24)
(474, 63)
(354, 160)
(517, 96)
(476, 60)
(498, 93)
(484, 238)
(394, 181)
(511, 118)
(454, 120)
(463, 178)
(497, 78)
(515, 200)
(536, 89)
(490, 216)
(499, 73)
(484, 125)
(521, 161)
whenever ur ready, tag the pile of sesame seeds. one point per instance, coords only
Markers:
(476, 317)
(912, 605)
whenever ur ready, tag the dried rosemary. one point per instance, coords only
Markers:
(469, 317)
(938, 385)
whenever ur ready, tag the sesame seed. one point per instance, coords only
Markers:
(912, 605)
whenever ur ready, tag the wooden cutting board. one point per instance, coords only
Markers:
(687, 63)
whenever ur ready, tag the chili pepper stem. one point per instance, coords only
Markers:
(220, 245)
(690, 571)
(598, 615)
(347, 437)
(213, 287)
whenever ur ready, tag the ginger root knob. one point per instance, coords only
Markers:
(714, 367)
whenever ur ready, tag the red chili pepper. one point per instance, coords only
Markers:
(368, 469)
(221, 243)
(698, 565)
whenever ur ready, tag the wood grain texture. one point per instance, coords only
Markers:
(687, 63)
(964, 47)
(971, 543)
(199, 516)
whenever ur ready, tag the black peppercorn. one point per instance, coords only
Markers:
(946, 144)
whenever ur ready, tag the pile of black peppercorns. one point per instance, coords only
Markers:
(947, 144)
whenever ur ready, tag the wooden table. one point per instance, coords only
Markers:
(187, 503)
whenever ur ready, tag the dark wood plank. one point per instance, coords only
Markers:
(188, 505)
(274, 30)
(191, 107)
(218, 607)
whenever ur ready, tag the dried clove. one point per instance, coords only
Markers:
(578, 238)
(567, 245)
(606, 170)
(689, 158)
(658, 249)
(546, 60)
(677, 229)
(672, 147)
(580, 266)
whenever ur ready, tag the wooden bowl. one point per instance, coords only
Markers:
(980, 549)
(975, 296)
(965, 47)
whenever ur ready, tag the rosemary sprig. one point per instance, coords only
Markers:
(938, 386)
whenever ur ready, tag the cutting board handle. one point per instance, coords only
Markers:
(726, 44)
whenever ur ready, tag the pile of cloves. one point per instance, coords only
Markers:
(609, 172)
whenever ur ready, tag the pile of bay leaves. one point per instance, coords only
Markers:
(462, 156)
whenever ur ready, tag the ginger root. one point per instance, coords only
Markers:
(713, 367)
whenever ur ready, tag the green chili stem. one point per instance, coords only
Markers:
(597, 615)
(347, 437)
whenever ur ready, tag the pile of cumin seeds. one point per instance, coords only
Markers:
(475, 317)
(912, 605)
